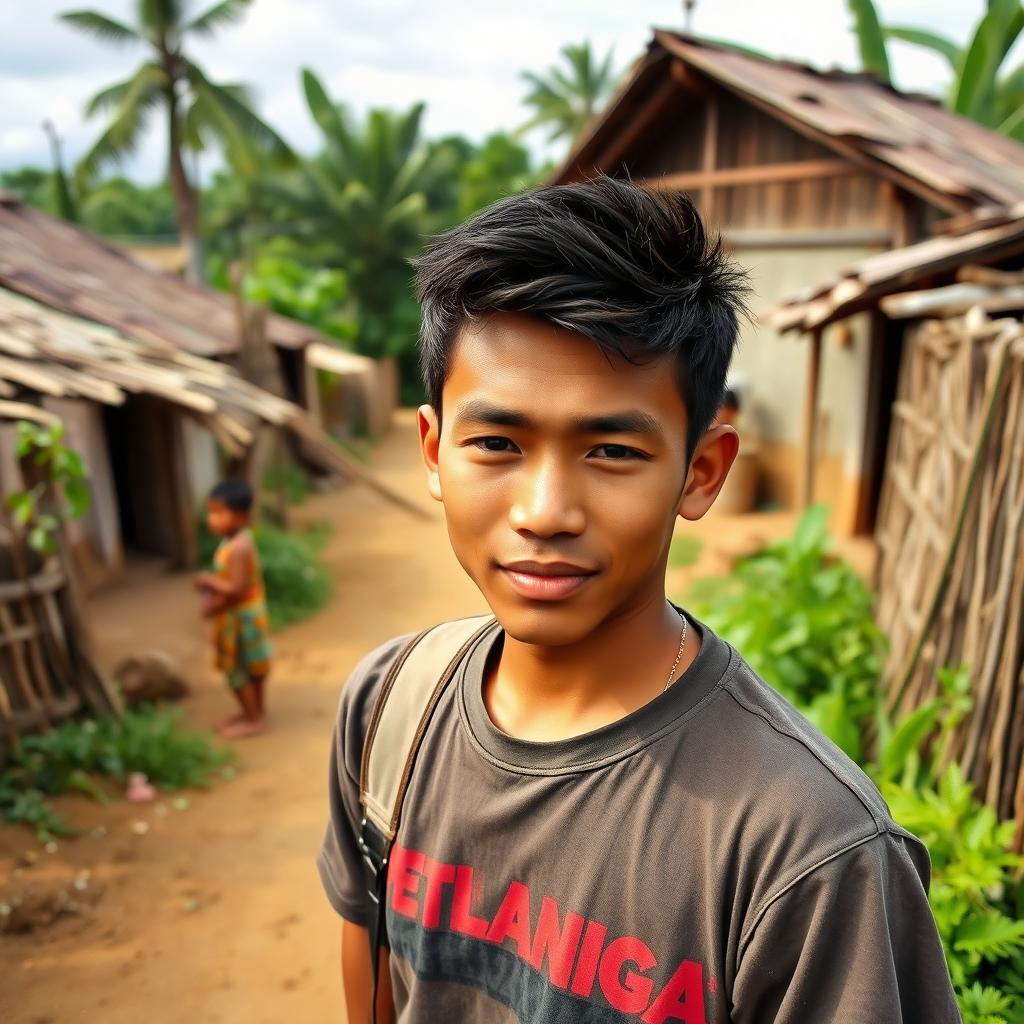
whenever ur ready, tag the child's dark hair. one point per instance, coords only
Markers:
(630, 267)
(235, 494)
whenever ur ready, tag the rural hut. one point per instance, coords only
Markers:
(131, 404)
(142, 368)
(805, 172)
(950, 523)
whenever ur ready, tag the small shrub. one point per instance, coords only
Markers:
(974, 895)
(69, 758)
(803, 621)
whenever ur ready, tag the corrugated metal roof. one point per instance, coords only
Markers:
(79, 273)
(907, 137)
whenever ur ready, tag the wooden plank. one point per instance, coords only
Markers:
(952, 300)
(710, 159)
(638, 124)
(811, 418)
(799, 170)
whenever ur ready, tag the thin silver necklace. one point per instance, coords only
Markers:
(679, 654)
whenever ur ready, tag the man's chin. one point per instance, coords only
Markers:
(543, 624)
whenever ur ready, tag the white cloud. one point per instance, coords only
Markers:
(463, 57)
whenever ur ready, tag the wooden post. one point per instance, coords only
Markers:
(707, 192)
(811, 418)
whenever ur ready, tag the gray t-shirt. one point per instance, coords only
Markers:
(710, 857)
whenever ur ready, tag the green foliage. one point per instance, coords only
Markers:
(120, 208)
(979, 89)
(70, 757)
(63, 473)
(870, 38)
(973, 894)
(803, 621)
(565, 99)
(684, 552)
(297, 583)
(500, 167)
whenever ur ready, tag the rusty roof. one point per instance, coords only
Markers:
(907, 138)
(72, 270)
(863, 284)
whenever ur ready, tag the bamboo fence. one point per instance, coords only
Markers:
(951, 540)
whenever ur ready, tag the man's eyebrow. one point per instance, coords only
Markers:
(632, 421)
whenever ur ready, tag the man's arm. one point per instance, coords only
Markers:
(851, 941)
(356, 973)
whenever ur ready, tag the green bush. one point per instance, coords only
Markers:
(974, 894)
(803, 621)
(70, 757)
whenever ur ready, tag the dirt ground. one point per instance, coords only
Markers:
(214, 913)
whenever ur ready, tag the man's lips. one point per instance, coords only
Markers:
(546, 581)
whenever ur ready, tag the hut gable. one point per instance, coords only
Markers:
(695, 108)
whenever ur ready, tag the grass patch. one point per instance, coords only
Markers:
(78, 754)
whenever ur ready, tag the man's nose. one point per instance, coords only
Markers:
(546, 502)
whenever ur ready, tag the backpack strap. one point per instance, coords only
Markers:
(408, 696)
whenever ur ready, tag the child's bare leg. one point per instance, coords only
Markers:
(251, 723)
(237, 717)
(260, 682)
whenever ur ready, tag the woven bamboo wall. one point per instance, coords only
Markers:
(951, 539)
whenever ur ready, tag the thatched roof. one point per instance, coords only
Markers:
(44, 351)
(79, 273)
(946, 159)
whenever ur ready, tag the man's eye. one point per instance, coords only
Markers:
(494, 444)
(619, 452)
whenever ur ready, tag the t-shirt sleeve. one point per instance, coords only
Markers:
(339, 862)
(853, 940)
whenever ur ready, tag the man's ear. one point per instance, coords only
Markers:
(712, 459)
(430, 442)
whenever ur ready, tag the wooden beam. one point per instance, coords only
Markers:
(707, 192)
(763, 174)
(873, 164)
(811, 418)
(638, 124)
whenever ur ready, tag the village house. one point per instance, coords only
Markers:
(806, 173)
(139, 365)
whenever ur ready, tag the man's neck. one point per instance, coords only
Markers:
(552, 693)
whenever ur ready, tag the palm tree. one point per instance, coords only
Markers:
(566, 99)
(197, 110)
(364, 205)
(979, 89)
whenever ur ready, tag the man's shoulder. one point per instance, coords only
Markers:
(797, 797)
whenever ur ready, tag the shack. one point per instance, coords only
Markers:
(806, 173)
(141, 367)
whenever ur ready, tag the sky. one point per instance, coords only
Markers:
(464, 57)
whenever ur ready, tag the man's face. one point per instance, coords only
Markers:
(561, 470)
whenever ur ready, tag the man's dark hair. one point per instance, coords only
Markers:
(235, 494)
(630, 267)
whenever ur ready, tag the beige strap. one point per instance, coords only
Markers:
(407, 699)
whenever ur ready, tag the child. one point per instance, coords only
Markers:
(610, 817)
(233, 599)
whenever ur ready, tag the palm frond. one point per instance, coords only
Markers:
(104, 28)
(227, 12)
(113, 95)
(225, 111)
(122, 135)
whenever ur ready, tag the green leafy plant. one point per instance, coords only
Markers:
(62, 472)
(974, 895)
(802, 619)
(71, 758)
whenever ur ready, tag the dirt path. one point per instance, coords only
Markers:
(215, 914)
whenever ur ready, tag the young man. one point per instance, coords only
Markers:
(611, 817)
